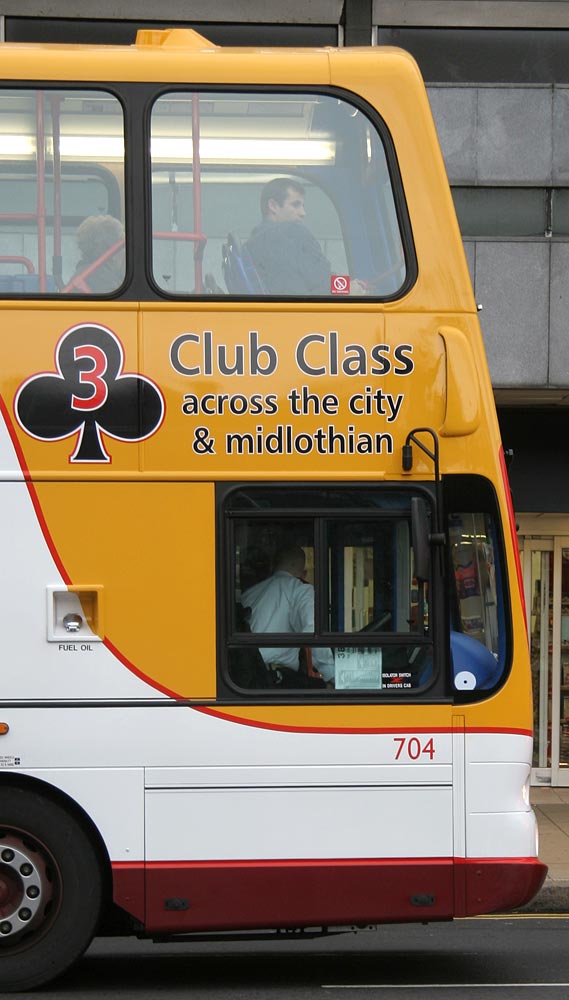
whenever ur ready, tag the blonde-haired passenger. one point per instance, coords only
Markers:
(95, 236)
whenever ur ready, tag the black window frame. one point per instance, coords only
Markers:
(137, 99)
(471, 493)
(437, 690)
(348, 97)
(120, 93)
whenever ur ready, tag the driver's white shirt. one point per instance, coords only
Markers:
(283, 603)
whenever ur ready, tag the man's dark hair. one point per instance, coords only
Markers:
(278, 189)
(291, 558)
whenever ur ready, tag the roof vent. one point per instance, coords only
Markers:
(178, 38)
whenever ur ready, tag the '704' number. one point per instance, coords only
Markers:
(411, 748)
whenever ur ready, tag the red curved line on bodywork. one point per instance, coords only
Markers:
(139, 673)
(33, 495)
(204, 709)
(56, 557)
(373, 730)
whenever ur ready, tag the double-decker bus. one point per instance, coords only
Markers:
(237, 322)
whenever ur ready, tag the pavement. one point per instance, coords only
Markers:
(551, 806)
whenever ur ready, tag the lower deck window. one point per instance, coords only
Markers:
(327, 591)
(323, 596)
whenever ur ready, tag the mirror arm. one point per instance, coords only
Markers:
(438, 537)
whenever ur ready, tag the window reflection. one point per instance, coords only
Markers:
(475, 638)
(271, 194)
(61, 174)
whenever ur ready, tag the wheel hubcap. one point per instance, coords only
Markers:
(25, 887)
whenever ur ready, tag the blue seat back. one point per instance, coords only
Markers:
(239, 271)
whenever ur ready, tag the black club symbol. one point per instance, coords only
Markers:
(89, 395)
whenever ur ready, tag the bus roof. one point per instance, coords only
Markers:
(190, 57)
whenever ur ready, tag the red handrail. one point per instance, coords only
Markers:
(57, 267)
(78, 281)
(197, 188)
(24, 261)
(41, 213)
(198, 238)
(11, 216)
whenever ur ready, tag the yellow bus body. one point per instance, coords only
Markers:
(136, 537)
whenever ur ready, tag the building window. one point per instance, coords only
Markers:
(512, 212)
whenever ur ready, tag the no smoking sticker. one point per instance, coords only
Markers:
(340, 284)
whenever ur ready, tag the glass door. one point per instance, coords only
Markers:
(560, 644)
(538, 556)
(546, 581)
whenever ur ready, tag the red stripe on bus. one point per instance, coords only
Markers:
(139, 673)
(387, 730)
(313, 862)
(182, 897)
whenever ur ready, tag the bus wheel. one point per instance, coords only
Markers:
(50, 889)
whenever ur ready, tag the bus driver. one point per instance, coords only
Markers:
(284, 602)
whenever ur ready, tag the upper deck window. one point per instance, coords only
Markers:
(61, 177)
(272, 194)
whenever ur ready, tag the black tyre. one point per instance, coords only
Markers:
(50, 889)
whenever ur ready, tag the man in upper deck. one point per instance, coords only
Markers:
(288, 258)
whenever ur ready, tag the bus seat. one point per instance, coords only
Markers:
(474, 666)
(239, 271)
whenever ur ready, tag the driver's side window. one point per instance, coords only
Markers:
(325, 601)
